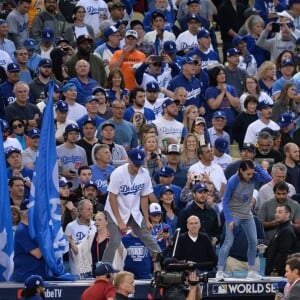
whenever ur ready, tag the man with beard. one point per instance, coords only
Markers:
(84, 51)
(34, 288)
(291, 153)
(255, 127)
(264, 149)
(37, 85)
(170, 131)
(90, 191)
(49, 17)
(137, 101)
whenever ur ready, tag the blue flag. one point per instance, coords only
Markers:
(44, 206)
(6, 232)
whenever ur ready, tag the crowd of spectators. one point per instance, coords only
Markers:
(153, 78)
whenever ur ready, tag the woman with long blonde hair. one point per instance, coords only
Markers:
(190, 114)
(189, 154)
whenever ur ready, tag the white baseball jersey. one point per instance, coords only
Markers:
(186, 40)
(129, 190)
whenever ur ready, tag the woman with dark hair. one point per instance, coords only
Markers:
(116, 87)
(18, 131)
(286, 102)
(251, 87)
(199, 129)
(59, 57)
(237, 203)
(221, 96)
(79, 27)
(244, 119)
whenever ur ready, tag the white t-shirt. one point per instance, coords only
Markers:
(76, 111)
(186, 40)
(215, 173)
(129, 190)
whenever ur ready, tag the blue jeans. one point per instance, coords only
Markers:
(250, 229)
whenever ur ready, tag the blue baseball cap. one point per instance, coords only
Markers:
(193, 17)
(157, 13)
(170, 47)
(263, 104)
(137, 156)
(107, 123)
(221, 145)
(285, 119)
(4, 124)
(166, 171)
(12, 67)
(34, 132)
(203, 33)
(104, 268)
(193, 1)
(34, 281)
(89, 120)
(200, 187)
(237, 39)
(71, 127)
(189, 60)
(63, 182)
(30, 44)
(45, 62)
(90, 183)
(152, 86)
(62, 106)
(249, 146)
(48, 34)
(11, 150)
(164, 189)
(287, 62)
(91, 98)
(232, 51)
(110, 30)
(219, 114)
(169, 102)
(69, 86)
(56, 88)
(98, 89)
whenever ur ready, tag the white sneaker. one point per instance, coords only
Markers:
(253, 275)
(220, 275)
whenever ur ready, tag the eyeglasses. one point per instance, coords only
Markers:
(157, 64)
(17, 126)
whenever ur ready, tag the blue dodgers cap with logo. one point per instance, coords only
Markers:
(11, 150)
(104, 268)
(71, 127)
(219, 114)
(110, 30)
(285, 119)
(48, 34)
(189, 60)
(152, 86)
(169, 102)
(34, 281)
(193, 17)
(3, 124)
(249, 146)
(232, 52)
(155, 209)
(63, 182)
(166, 188)
(263, 104)
(237, 39)
(34, 132)
(45, 62)
(200, 187)
(90, 183)
(170, 47)
(12, 67)
(24, 204)
(137, 156)
(62, 106)
(287, 62)
(91, 98)
(203, 33)
(30, 44)
(87, 120)
(166, 171)
(221, 145)
(69, 86)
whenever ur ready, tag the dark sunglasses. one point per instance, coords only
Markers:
(17, 126)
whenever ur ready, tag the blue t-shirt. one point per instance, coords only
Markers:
(25, 263)
(100, 176)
